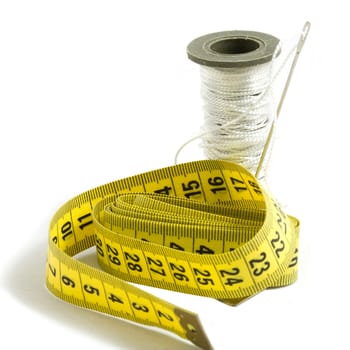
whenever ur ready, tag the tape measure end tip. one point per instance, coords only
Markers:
(194, 329)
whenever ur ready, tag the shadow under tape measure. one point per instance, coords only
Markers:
(25, 280)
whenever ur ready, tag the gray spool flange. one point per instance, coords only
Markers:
(233, 49)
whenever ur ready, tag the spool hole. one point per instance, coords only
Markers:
(234, 46)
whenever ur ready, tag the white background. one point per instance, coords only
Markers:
(92, 91)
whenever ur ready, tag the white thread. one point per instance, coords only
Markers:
(238, 112)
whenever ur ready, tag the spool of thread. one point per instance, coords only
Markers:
(236, 79)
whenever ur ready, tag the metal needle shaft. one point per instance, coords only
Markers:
(300, 45)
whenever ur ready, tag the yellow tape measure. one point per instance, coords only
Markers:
(206, 228)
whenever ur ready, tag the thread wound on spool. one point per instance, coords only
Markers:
(238, 113)
(236, 77)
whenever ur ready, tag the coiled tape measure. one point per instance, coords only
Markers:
(206, 228)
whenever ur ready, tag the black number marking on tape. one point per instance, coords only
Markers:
(99, 246)
(157, 266)
(91, 290)
(83, 220)
(180, 272)
(227, 274)
(52, 270)
(66, 230)
(277, 244)
(176, 246)
(164, 315)
(217, 183)
(190, 188)
(294, 260)
(255, 187)
(139, 307)
(204, 250)
(257, 271)
(112, 297)
(133, 266)
(203, 277)
(113, 255)
(281, 223)
(67, 281)
(165, 190)
(238, 188)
